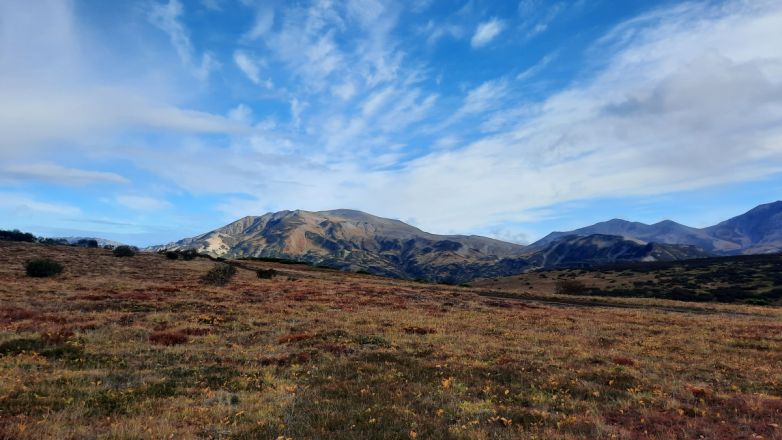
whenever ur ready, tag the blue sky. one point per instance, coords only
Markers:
(149, 121)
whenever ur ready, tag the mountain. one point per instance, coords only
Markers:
(354, 240)
(595, 249)
(667, 232)
(756, 231)
(357, 241)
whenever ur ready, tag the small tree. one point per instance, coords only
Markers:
(171, 255)
(42, 267)
(124, 251)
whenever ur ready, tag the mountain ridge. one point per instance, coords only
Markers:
(758, 230)
(357, 241)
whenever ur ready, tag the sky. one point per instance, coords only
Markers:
(149, 121)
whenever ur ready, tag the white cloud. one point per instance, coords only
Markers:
(31, 115)
(19, 205)
(247, 66)
(344, 91)
(47, 172)
(680, 104)
(537, 67)
(142, 203)
(264, 20)
(241, 113)
(166, 17)
(214, 5)
(486, 32)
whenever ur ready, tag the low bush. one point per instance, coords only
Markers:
(87, 243)
(570, 287)
(123, 251)
(171, 255)
(54, 241)
(188, 254)
(219, 275)
(42, 267)
(167, 338)
(266, 274)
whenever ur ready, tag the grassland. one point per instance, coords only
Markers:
(748, 279)
(136, 348)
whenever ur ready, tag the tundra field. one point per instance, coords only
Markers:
(142, 348)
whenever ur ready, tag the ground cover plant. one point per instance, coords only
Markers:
(127, 348)
(749, 279)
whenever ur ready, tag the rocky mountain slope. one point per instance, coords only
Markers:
(756, 231)
(353, 240)
(357, 241)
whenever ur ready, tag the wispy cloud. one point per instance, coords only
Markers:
(52, 173)
(248, 66)
(365, 113)
(19, 205)
(166, 16)
(143, 203)
(486, 32)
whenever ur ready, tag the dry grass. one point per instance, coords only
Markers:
(127, 348)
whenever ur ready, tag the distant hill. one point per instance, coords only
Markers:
(596, 249)
(756, 231)
(357, 241)
(354, 240)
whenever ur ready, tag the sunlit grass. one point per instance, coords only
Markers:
(138, 347)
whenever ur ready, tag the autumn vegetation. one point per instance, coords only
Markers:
(142, 347)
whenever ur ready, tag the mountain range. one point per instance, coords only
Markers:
(756, 231)
(357, 241)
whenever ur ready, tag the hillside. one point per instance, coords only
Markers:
(753, 279)
(139, 347)
(597, 249)
(356, 241)
(353, 240)
(759, 230)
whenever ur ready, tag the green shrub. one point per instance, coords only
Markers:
(266, 274)
(219, 275)
(42, 267)
(171, 255)
(124, 251)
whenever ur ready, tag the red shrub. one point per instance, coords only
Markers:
(167, 338)
(623, 361)
(294, 337)
(12, 314)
